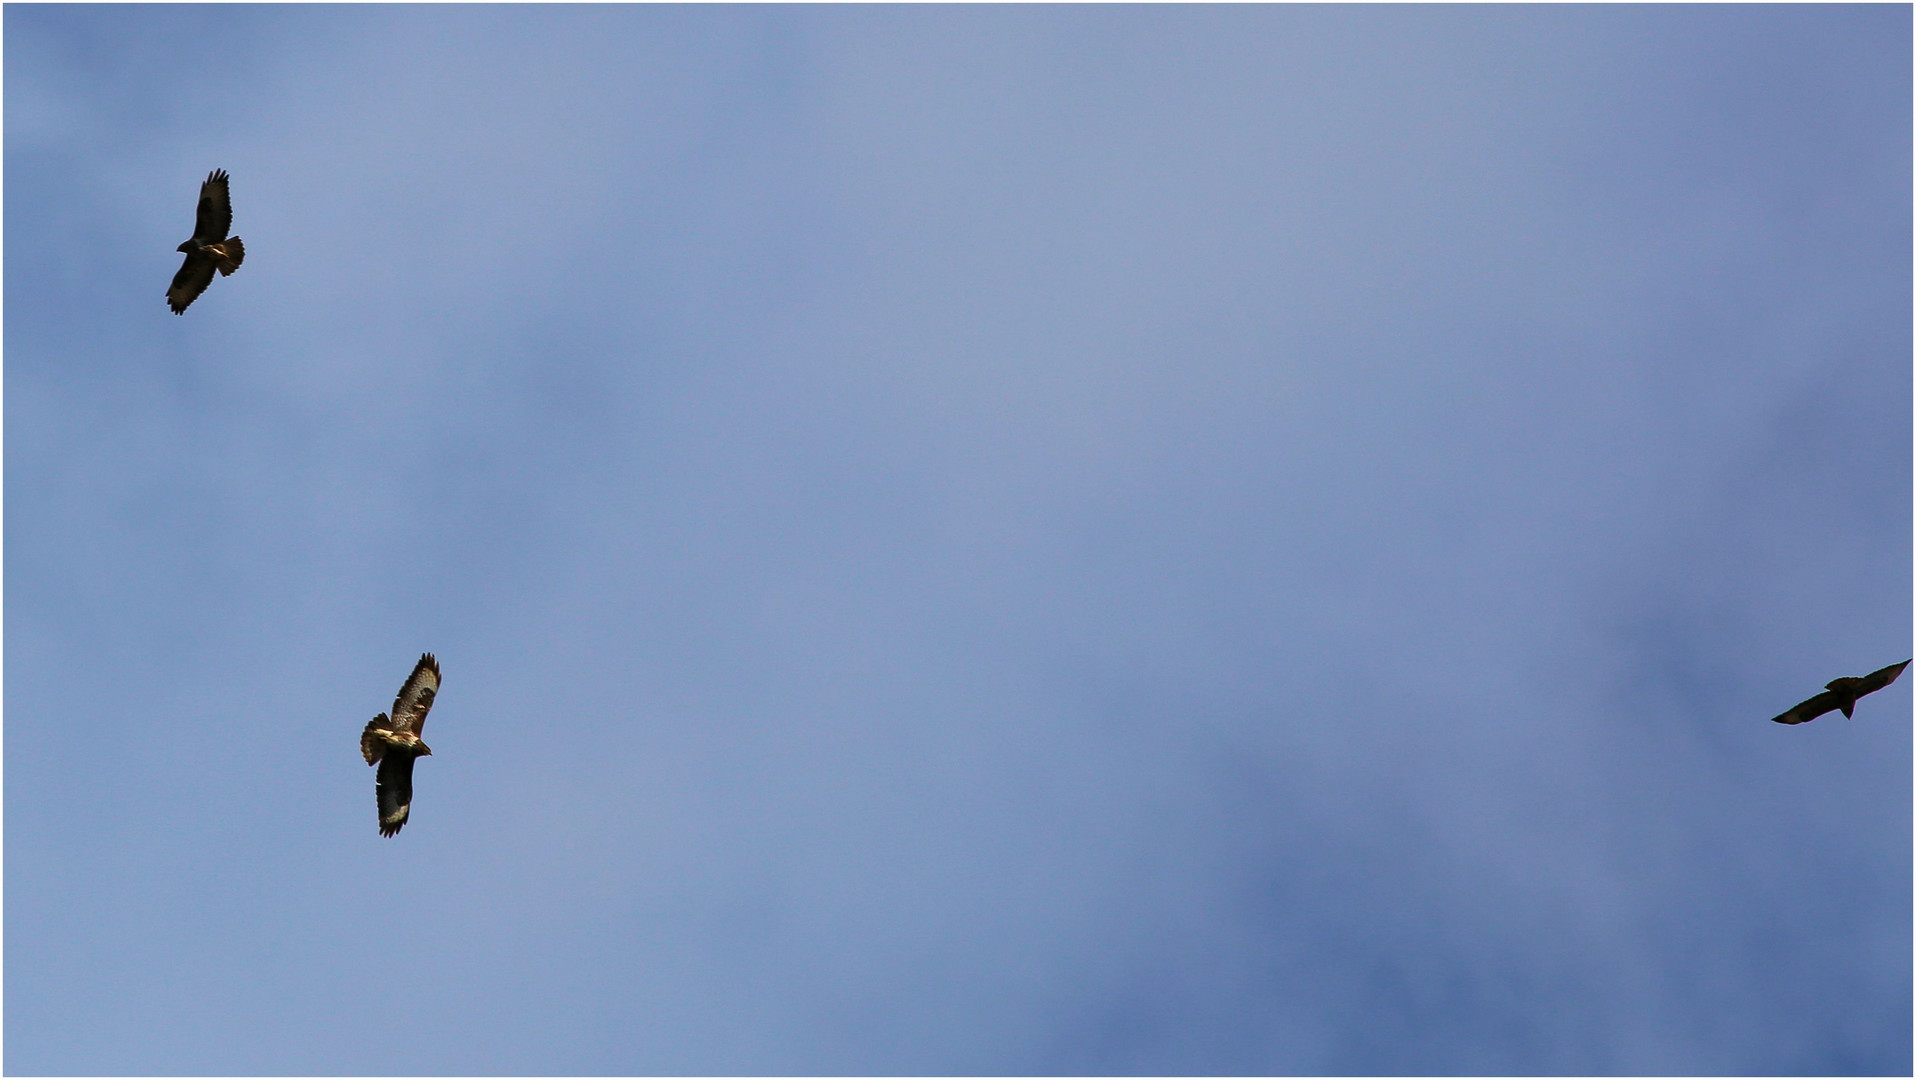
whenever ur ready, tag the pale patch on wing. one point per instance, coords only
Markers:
(416, 697)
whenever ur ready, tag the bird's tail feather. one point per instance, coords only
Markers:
(371, 747)
(235, 254)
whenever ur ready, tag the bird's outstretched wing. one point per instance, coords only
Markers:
(395, 792)
(215, 214)
(1806, 711)
(196, 273)
(1879, 678)
(415, 698)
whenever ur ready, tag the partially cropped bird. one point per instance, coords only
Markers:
(392, 743)
(1842, 694)
(210, 248)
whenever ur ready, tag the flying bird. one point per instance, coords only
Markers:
(210, 248)
(393, 742)
(1842, 694)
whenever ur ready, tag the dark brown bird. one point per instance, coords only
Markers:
(210, 248)
(393, 743)
(1842, 694)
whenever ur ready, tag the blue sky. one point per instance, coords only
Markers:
(1033, 539)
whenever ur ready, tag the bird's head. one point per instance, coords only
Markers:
(185, 248)
(424, 750)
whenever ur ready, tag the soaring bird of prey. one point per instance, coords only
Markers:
(393, 742)
(1842, 694)
(210, 248)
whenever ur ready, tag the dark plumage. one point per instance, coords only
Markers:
(210, 248)
(393, 743)
(1842, 694)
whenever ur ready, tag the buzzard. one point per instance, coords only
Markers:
(1842, 694)
(393, 742)
(210, 248)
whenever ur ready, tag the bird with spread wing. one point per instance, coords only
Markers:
(1842, 694)
(392, 743)
(210, 248)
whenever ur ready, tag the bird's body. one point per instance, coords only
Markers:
(1841, 694)
(209, 248)
(393, 744)
(384, 739)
